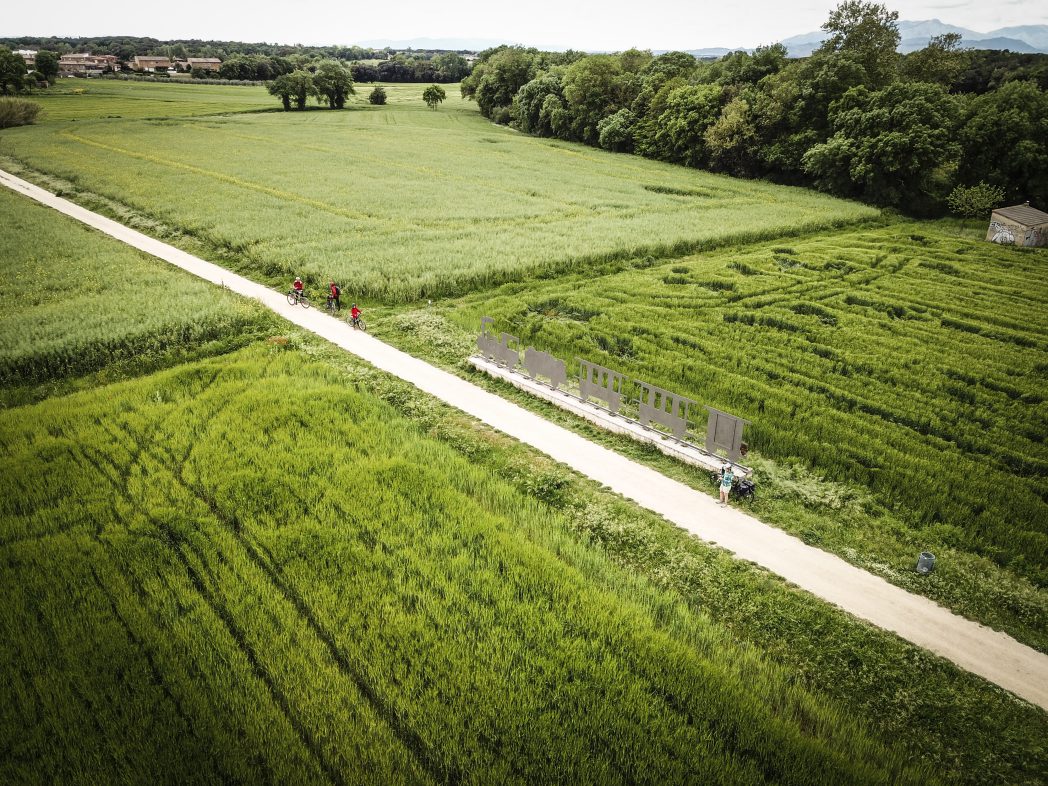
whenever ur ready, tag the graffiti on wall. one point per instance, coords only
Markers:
(1001, 233)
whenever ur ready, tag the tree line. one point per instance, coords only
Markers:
(263, 62)
(855, 119)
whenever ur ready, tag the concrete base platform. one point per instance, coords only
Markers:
(687, 452)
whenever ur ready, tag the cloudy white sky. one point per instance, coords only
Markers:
(584, 24)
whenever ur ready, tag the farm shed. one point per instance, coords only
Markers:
(207, 63)
(1020, 225)
(151, 64)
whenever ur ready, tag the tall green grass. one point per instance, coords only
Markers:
(915, 368)
(399, 202)
(75, 301)
(264, 558)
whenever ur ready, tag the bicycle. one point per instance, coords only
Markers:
(296, 298)
(741, 488)
(331, 306)
(358, 323)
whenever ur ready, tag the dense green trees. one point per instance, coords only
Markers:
(855, 118)
(889, 147)
(1004, 136)
(12, 72)
(255, 67)
(47, 65)
(295, 87)
(332, 81)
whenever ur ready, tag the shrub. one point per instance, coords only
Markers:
(17, 112)
(378, 96)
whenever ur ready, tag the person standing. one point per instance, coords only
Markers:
(335, 292)
(727, 478)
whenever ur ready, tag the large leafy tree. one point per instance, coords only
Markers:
(940, 62)
(433, 95)
(498, 76)
(333, 81)
(47, 64)
(295, 87)
(538, 102)
(1003, 137)
(732, 141)
(12, 72)
(870, 32)
(890, 147)
(676, 128)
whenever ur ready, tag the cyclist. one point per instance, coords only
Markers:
(335, 292)
(354, 313)
(298, 286)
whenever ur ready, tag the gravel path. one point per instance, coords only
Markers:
(992, 655)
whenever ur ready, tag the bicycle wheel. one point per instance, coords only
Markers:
(359, 325)
(292, 298)
(304, 302)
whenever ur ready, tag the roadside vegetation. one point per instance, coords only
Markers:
(295, 568)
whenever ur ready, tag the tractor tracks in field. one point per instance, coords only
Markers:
(991, 654)
(417, 748)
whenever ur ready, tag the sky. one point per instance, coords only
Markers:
(585, 24)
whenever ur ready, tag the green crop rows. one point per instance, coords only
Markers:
(75, 301)
(911, 364)
(254, 558)
(249, 568)
(226, 557)
(401, 202)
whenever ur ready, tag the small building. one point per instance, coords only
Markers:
(150, 64)
(1020, 225)
(206, 63)
(85, 64)
(29, 55)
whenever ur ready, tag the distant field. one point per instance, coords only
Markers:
(93, 99)
(397, 202)
(904, 358)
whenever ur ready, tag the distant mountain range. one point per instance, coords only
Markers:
(914, 35)
(448, 44)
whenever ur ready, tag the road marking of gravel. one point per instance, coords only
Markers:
(991, 654)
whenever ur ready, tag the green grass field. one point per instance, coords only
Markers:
(77, 302)
(400, 202)
(253, 567)
(829, 342)
(94, 99)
